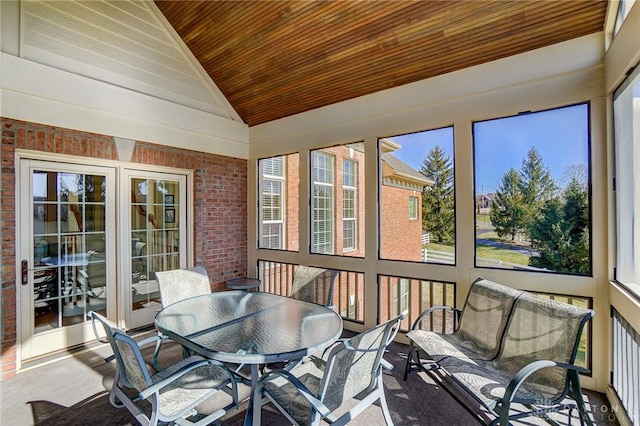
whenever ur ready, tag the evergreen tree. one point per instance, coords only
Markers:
(562, 232)
(576, 214)
(508, 209)
(438, 216)
(537, 186)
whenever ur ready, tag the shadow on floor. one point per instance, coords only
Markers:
(74, 391)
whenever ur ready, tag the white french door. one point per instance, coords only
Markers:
(78, 251)
(154, 213)
(66, 252)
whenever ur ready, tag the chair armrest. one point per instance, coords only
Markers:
(146, 393)
(429, 311)
(327, 350)
(300, 387)
(149, 340)
(390, 337)
(523, 374)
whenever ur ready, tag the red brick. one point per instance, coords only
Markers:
(219, 182)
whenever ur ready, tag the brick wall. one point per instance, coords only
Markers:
(291, 199)
(220, 200)
(400, 236)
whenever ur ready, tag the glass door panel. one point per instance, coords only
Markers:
(157, 215)
(66, 254)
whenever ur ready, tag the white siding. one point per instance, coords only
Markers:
(124, 43)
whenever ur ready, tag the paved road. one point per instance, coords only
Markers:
(505, 246)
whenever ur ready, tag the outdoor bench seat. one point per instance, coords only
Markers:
(509, 346)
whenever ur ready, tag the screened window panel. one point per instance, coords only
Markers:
(626, 108)
(417, 196)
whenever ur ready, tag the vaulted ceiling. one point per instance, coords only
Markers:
(273, 59)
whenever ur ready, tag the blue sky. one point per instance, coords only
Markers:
(559, 135)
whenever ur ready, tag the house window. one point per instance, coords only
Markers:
(535, 170)
(417, 174)
(337, 175)
(272, 203)
(322, 203)
(626, 111)
(413, 208)
(349, 189)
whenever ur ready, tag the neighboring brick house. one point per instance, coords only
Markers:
(337, 207)
(401, 207)
(341, 231)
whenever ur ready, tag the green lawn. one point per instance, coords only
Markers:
(505, 255)
(439, 247)
(483, 217)
(486, 251)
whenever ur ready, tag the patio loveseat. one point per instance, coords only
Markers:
(509, 346)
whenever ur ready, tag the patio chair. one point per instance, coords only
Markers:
(314, 285)
(315, 390)
(177, 285)
(172, 393)
(180, 284)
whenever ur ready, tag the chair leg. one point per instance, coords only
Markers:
(156, 352)
(576, 394)
(384, 406)
(407, 367)
(112, 393)
(113, 399)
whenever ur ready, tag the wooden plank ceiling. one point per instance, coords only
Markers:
(272, 59)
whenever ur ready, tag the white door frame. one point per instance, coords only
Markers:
(116, 207)
(31, 344)
(145, 316)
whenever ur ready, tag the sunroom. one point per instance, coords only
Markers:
(412, 147)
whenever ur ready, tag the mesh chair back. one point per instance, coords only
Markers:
(355, 366)
(485, 314)
(543, 329)
(133, 369)
(107, 326)
(314, 285)
(181, 284)
(199, 269)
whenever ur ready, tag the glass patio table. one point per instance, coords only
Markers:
(250, 328)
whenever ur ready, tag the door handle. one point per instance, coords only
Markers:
(25, 272)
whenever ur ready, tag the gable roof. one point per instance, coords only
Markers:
(402, 169)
